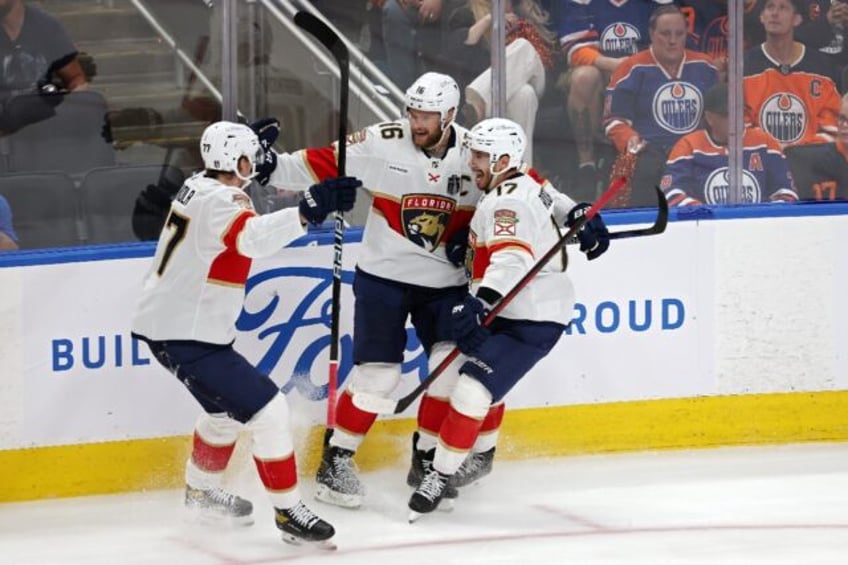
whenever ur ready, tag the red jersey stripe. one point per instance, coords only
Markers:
(322, 163)
(230, 267)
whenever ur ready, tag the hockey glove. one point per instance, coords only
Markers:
(457, 246)
(466, 328)
(267, 130)
(593, 236)
(329, 195)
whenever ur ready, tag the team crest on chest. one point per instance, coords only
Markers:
(784, 116)
(677, 107)
(717, 188)
(425, 217)
(620, 39)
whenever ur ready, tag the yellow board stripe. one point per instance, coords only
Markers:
(712, 421)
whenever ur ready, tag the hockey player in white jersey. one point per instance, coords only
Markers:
(410, 267)
(517, 220)
(189, 304)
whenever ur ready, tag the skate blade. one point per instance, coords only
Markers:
(324, 545)
(445, 505)
(328, 496)
(214, 520)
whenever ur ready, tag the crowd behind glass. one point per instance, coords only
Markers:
(99, 121)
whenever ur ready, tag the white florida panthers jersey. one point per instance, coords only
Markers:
(515, 224)
(418, 201)
(195, 287)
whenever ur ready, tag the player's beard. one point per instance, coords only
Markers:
(431, 140)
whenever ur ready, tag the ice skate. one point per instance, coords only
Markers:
(217, 505)
(428, 495)
(422, 463)
(299, 526)
(338, 483)
(475, 467)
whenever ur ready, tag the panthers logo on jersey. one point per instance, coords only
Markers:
(425, 218)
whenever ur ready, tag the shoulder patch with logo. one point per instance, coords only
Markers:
(505, 221)
(356, 137)
(243, 200)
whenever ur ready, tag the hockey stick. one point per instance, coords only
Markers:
(329, 39)
(657, 227)
(377, 404)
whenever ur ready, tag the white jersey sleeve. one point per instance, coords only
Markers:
(195, 286)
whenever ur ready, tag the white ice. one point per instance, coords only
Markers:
(775, 505)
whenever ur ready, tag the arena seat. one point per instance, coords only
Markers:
(45, 208)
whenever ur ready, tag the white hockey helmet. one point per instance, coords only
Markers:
(498, 137)
(433, 92)
(224, 143)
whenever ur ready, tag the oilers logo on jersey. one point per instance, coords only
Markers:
(713, 41)
(717, 187)
(620, 39)
(784, 116)
(677, 107)
(425, 217)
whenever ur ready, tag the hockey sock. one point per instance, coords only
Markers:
(212, 447)
(470, 403)
(431, 413)
(490, 429)
(273, 452)
(351, 423)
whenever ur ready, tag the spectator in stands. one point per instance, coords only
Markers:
(655, 97)
(838, 190)
(413, 31)
(814, 31)
(697, 168)
(8, 238)
(36, 57)
(828, 20)
(596, 36)
(529, 54)
(789, 92)
(35, 49)
(836, 162)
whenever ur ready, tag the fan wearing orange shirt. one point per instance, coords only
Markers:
(790, 93)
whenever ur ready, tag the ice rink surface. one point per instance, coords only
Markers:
(775, 505)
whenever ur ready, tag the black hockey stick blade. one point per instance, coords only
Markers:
(658, 226)
(322, 33)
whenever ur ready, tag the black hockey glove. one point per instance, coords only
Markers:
(593, 236)
(267, 130)
(456, 247)
(329, 195)
(466, 328)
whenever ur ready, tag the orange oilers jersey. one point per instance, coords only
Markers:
(796, 104)
(515, 224)
(418, 201)
(697, 171)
